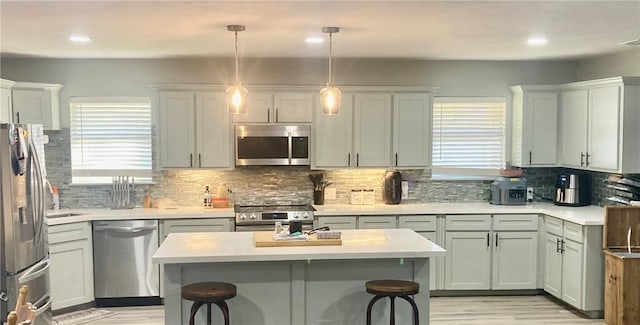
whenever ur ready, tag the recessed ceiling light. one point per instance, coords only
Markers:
(79, 38)
(314, 40)
(537, 40)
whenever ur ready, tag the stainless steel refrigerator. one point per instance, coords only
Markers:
(24, 251)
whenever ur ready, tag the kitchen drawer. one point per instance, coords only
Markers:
(515, 222)
(377, 222)
(418, 223)
(573, 232)
(468, 222)
(69, 232)
(337, 223)
(553, 225)
(196, 225)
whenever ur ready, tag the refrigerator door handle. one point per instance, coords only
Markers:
(35, 271)
(38, 205)
(44, 307)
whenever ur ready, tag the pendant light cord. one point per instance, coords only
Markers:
(330, 54)
(237, 79)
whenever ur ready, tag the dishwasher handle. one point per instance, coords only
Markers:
(125, 229)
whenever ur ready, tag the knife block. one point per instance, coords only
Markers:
(622, 269)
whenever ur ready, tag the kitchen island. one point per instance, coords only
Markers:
(297, 285)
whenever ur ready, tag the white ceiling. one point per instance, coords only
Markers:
(459, 30)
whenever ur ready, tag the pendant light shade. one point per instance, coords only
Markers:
(236, 94)
(330, 95)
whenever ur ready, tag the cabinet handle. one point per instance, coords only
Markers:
(561, 246)
(17, 117)
(268, 114)
(488, 241)
(276, 115)
(190, 160)
(557, 245)
(396, 159)
(581, 159)
(530, 157)
(496, 240)
(587, 160)
(349, 159)
(199, 160)
(357, 160)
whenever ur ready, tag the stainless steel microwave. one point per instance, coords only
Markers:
(272, 145)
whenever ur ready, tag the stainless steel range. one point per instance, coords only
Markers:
(264, 217)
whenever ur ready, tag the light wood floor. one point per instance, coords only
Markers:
(528, 310)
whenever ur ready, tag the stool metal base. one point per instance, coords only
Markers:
(392, 313)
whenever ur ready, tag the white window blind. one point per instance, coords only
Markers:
(110, 137)
(468, 135)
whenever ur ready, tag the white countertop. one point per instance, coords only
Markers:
(58, 217)
(586, 216)
(239, 247)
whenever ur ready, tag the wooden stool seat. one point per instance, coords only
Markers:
(393, 289)
(208, 293)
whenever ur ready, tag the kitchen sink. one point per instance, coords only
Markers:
(63, 214)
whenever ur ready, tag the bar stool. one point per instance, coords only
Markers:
(393, 289)
(209, 293)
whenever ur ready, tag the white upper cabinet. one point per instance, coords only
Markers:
(599, 125)
(534, 126)
(6, 108)
(372, 130)
(333, 136)
(278, 107)
(37, 103)
(194, 130)
(412, 116)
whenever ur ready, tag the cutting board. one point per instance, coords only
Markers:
(265, 239)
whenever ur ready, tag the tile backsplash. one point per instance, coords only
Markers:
(283, 184)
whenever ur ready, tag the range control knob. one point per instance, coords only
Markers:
(296, 216)
(253, 216)
(305, 215)
(243, 216)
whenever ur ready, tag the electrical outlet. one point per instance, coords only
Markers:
(529, 194)
(405, 189)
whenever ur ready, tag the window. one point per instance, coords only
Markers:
(468, 135)
(110, 137)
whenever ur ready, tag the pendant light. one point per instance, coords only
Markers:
(236, 94)
(330, 95)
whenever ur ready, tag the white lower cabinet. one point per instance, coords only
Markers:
(426, 226)
(377, 222)
(574, 264)
(337, 223)
(71, 272)
(169, 226)
(498, 253)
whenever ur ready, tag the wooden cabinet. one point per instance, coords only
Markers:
(621, 289)
(333, 141)
(194, 130)
(279, 107)
(534, 126)
(168, 226)
(6, 106)
(337, 223)
(412, 118)
(377, 222)
(372, 130)
(573, 269)
(498, 253)
(71, 272)
(37, 103)
(597, 119)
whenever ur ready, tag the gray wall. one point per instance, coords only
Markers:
(132, 77)
(626, 63)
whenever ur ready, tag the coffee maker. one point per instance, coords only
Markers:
(573, 190)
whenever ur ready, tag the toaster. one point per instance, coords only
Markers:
(509, 191)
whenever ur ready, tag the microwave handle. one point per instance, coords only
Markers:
(276, 115)
(290, 140)
(268, 114)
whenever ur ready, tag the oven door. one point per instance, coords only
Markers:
(269, 227)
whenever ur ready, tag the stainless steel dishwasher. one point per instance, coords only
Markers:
(123, 272)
